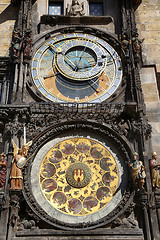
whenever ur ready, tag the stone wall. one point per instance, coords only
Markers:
(148, 24)
(8, 13)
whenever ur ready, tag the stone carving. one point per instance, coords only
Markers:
(75, 9)
(16, 119)
(155, 171)
(3, 170)
(14, 204)
(2, 201)
(122, 127)
(126, 222)
(18, 162)
(130, 222)
(138, 173)
(25, 224)
(42, 115)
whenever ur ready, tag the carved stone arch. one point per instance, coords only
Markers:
(110, 37)
(91, 130)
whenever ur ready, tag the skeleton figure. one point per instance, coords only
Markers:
(75, 9)
(18, 162)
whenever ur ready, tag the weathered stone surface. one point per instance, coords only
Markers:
(150, 92)
(148, 75)
(81, 238)
(31, 238)
(8, 15)
(110, 234)
(148, 25)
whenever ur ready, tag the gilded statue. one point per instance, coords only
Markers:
(75, 9)
(19, 160)
(3, 170)
(138, 172)
(155, 171)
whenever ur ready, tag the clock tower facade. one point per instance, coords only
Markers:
(75, 138)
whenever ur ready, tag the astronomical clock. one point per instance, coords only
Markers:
(76, 67)
(78, 178)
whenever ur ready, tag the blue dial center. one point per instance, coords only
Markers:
(80, 62)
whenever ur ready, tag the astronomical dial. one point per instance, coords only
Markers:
(76, 67)
(77, 180)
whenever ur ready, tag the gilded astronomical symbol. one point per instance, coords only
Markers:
(76, 67)
(78, 176)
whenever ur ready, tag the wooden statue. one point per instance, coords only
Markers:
(3, 170)
(138, 173)
(18, 163)
(155, 171)
(75, 9)
(137, 43)
(137, 47)
(125, 45)
(27, 45)
(17, 44)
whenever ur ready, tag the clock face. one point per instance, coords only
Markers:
(76, 67)
(78, 179)
(78, 176)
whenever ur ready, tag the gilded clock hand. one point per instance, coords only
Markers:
(56, 50)
(70, 65)
(69, 61)
(50, 75)
(79, 68)
(92, 60)
(60, 52)
(52, 47)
